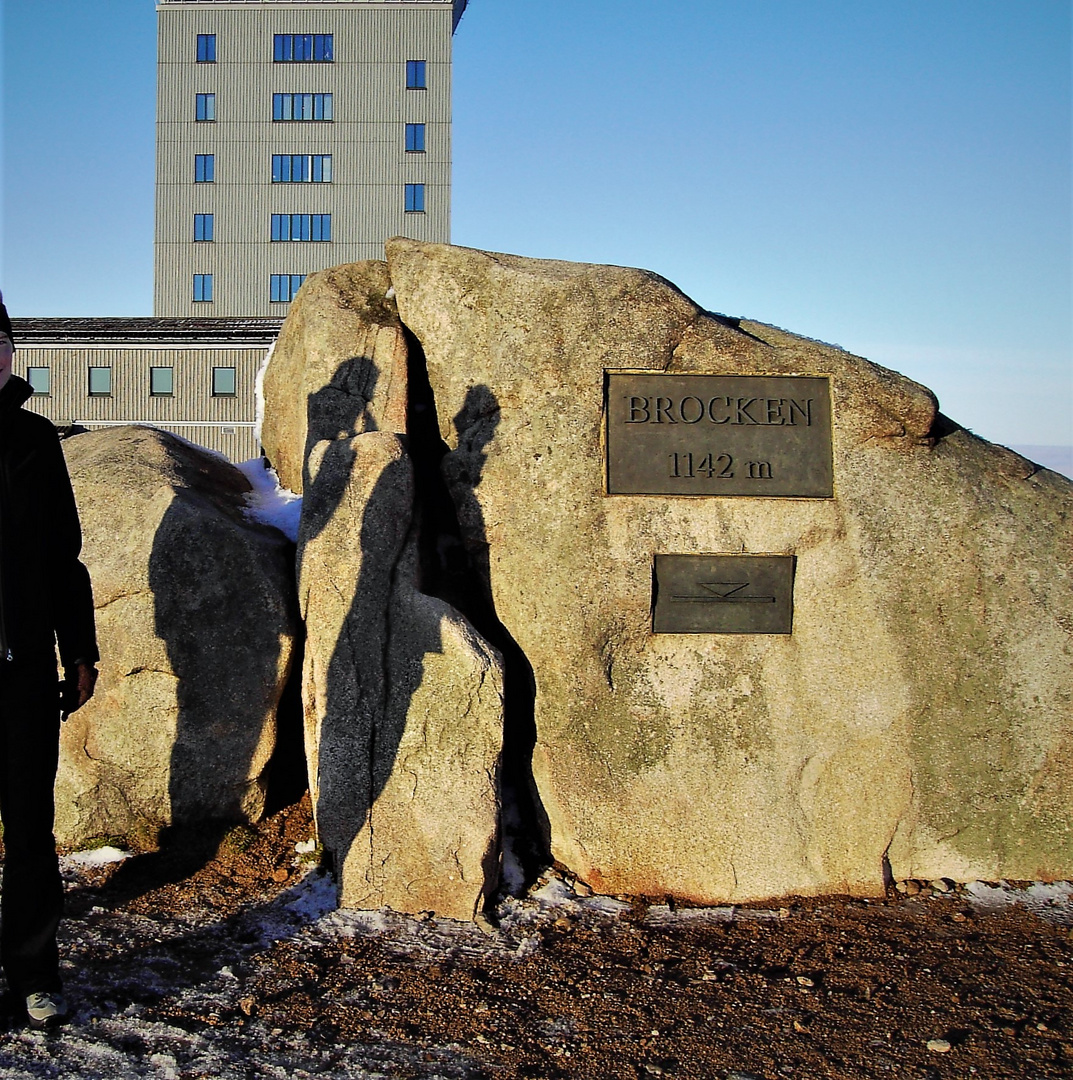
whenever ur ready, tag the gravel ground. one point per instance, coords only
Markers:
(220, 957)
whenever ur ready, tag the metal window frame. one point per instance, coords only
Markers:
(415, 193)
(202, 280)
(233, 392)
(153, 392)
(47, 392)
(89, 380)
(204, 219)
(414, 68)
(415, 129)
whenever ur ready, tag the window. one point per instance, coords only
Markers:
(301, 168)
(303, 49)
(204, 168)
(161, 381)
(223, 382)
(317, 227)
(203, 288)
(100, 381)
(206, 48)
(205, 108)
(415, 138)
(415, 198)
(301, 106)
(39, 380)
(202, 227)
(284, 287)
(415, 75)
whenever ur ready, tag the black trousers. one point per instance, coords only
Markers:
(32, 899)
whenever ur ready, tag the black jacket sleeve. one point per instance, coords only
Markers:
(72, 592)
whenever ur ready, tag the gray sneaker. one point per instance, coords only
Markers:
(46, 1009)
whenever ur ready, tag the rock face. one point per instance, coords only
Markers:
(196, 621)
(402, 698)
(917, 720)
(337, 369)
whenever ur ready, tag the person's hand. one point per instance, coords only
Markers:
(85, 680)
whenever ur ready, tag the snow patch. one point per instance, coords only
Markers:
(101, 856)
(270, 503)
(1052, 901)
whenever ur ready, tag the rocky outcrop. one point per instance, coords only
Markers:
(197, 623)
(916, 721)
(402, 698)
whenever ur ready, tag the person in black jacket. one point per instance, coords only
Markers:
(45, 600)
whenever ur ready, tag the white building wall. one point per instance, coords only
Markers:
(366, 138)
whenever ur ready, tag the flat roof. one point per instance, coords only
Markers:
(145, 331)
(458, 6)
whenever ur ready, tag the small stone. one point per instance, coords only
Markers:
(804, 980)
(247, 1005)
(959, 916)
(563, 923)
(940, 885)
(902, 886)
(281, 874)
(912, 888)
(485, 925)
(581, 889)
(799, 1027)
(1041, 1027)
(939, 1046)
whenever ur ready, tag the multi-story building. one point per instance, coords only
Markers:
(294, 135)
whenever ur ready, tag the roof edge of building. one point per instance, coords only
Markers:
(147, 331)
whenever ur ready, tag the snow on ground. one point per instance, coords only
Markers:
(1053, 902)
(270, 503)
(123, 970)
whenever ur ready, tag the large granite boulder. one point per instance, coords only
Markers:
(915, 723)
(197, 622)
(402, 699)
(337, 369)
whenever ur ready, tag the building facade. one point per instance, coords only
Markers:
(293, 135)
(195, 378)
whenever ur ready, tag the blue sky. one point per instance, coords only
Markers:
(891, 176)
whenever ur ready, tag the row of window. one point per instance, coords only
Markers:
(290, 227)
(301, 168)
(281, 289)
(309, 49)
(161, 381)
(303, 106)
(312, 227)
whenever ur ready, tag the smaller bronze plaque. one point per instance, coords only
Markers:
(723, 594)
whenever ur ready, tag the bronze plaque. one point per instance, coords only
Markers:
(723, 594)
(719, 435)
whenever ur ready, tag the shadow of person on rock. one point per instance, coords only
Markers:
(360, 472)
(456, 567)
(220, 608)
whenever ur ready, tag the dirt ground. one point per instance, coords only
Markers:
(819, 988)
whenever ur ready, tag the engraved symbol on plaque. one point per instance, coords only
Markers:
(723, 594)
(757, 435)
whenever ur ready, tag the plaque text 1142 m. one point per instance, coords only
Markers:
(719, 435)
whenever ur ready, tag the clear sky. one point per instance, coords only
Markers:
(892, 176)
